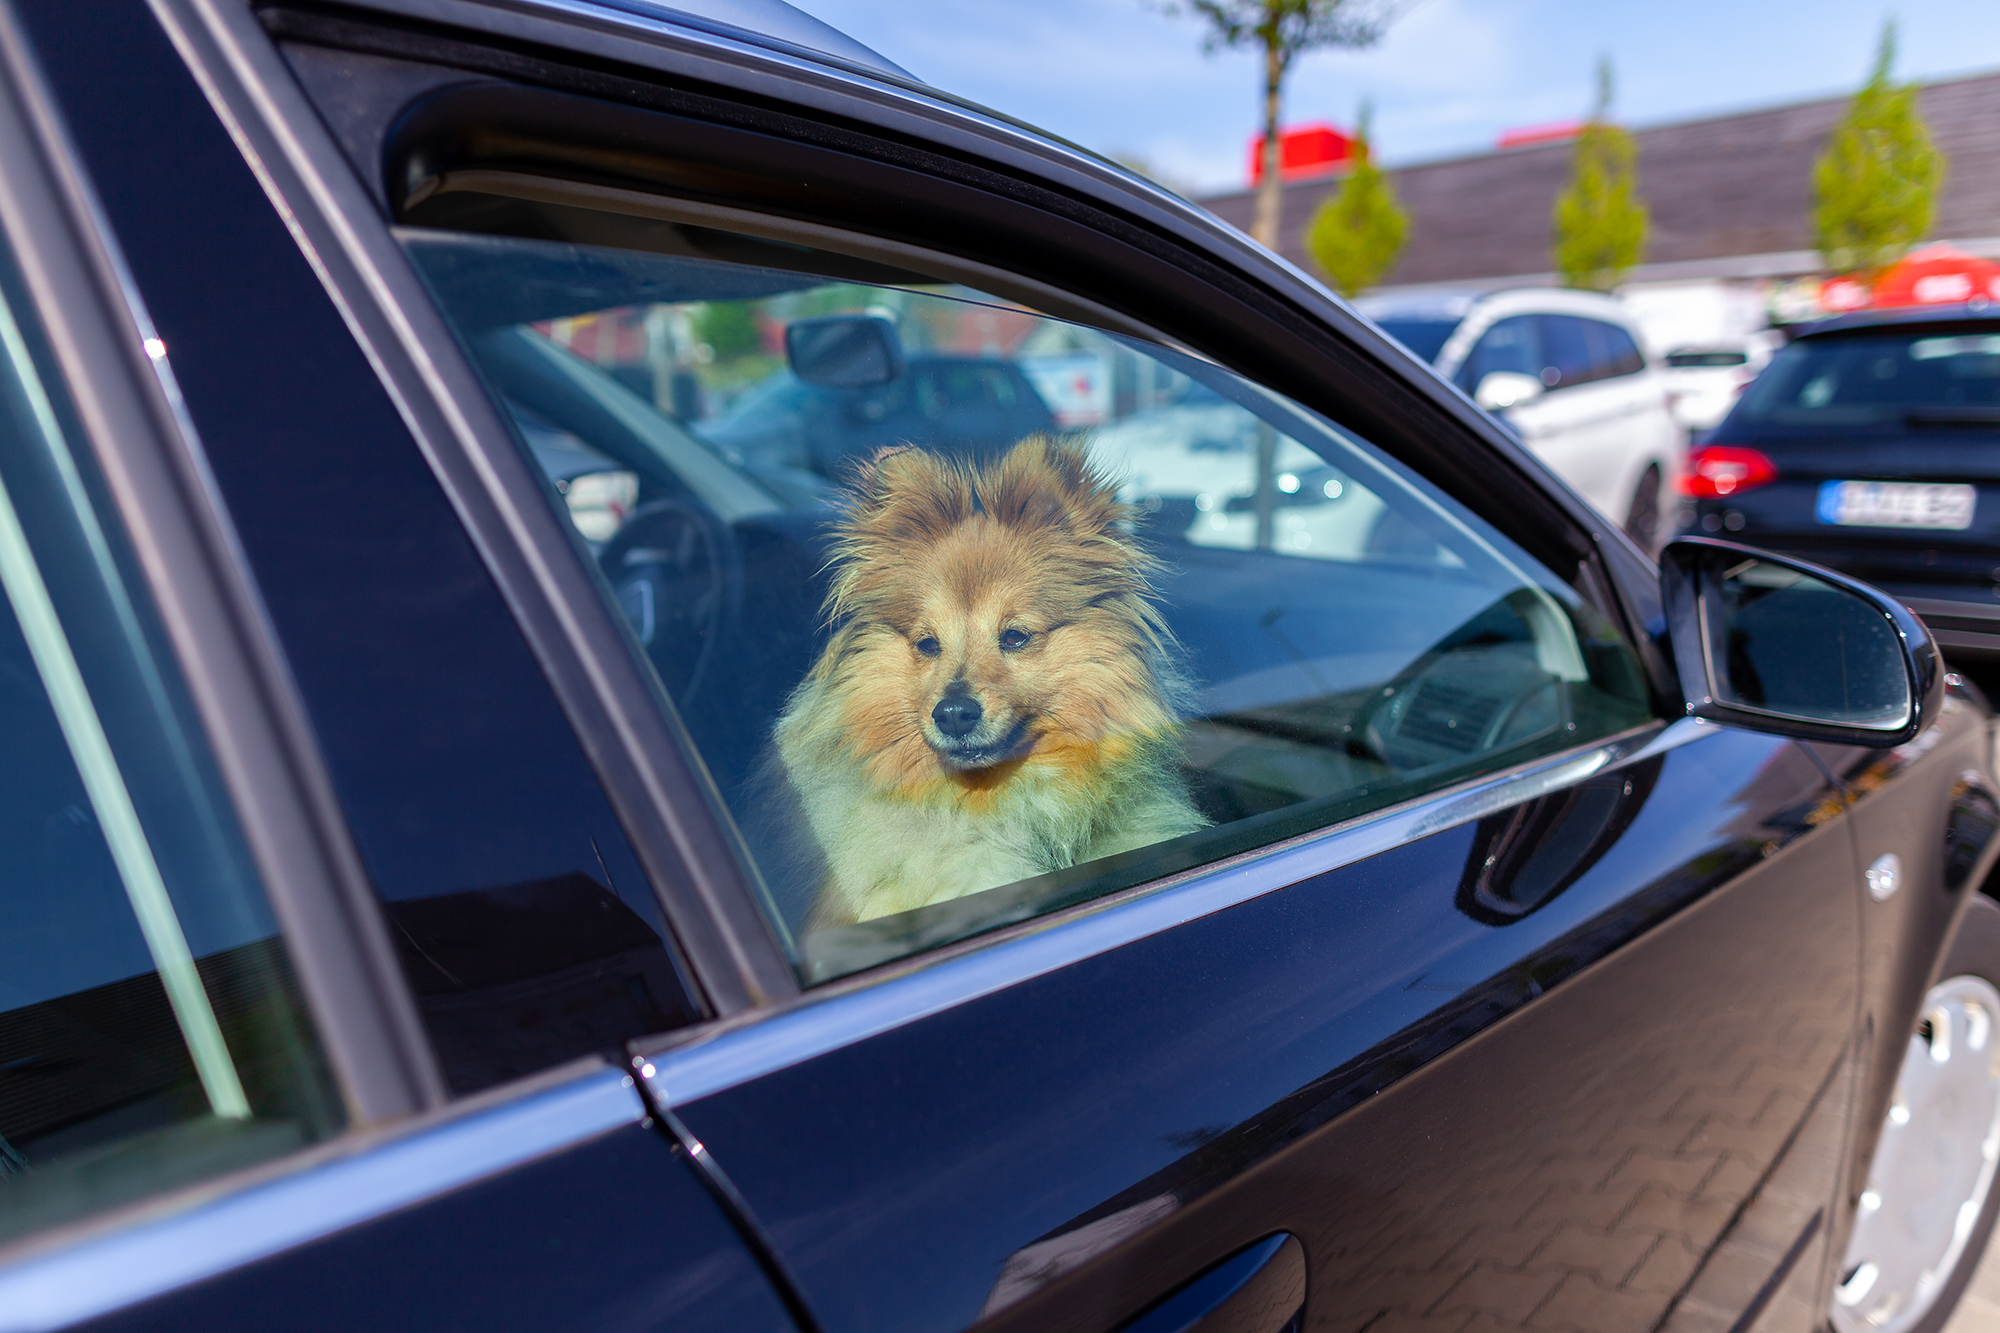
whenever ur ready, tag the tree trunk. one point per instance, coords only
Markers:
(1270, 191)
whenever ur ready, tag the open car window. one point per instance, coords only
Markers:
(974, 613)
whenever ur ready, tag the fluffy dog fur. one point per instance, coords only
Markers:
(1018, 587)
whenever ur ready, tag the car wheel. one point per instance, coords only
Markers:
(1929, 1204)
(1642, 522)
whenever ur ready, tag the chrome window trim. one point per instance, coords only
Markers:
(624, 724)
(141, 1253)
(686, 1066)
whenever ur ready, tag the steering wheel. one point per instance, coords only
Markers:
(673, 566)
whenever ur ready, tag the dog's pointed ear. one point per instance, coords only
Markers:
(903, 493)
(1050, 483)
(870, 480)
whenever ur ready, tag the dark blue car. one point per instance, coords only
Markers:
(783, 427)
(402, 924)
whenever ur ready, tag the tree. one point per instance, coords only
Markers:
(1875, 186)
(1357, 233)
(729, 328)
(1600, 225)
(1284, 30)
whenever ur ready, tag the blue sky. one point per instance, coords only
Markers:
(1124, 78)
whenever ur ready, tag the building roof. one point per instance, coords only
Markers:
(1717, 189)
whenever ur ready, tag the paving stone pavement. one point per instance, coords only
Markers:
(1979, 1311)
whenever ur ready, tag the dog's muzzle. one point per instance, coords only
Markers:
(958, 720)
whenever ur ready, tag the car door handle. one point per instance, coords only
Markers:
(1259, 1289)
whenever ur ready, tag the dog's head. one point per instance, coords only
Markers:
(989, 614)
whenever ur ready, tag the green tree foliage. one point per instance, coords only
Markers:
(1357, 233)
(1284, 30)
(729, 328)
(1600, 225)
(1875, 185)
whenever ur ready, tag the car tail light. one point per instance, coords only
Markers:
(1718, 470)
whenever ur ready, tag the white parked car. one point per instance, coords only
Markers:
(1704, 380)
(1569, 372)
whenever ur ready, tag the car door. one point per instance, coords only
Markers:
(1464, 1004)
(1586, 436)
(264, 937)
(1641, 432)
(1567, 426)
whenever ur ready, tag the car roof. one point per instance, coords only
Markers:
(1969, 312)
(1430, 305)
(1455, 305)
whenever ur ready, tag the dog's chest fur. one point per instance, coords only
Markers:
(888, 852)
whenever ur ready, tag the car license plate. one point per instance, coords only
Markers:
(1897, 504)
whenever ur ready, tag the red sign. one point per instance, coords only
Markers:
(1938, 275)
(1303, 151)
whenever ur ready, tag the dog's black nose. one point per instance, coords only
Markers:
(957, 714)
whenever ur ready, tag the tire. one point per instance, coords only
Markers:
(1949, 1105)
(1642, 520)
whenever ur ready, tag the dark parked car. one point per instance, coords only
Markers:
(1872, 444)
(784, 426)
(405, 928)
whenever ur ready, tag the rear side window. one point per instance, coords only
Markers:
(975, 614)
(1876, 381)
(1513, 344)
(1612, 350)
(151, 1033)
(1567, 351)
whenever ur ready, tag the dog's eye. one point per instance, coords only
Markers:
(1010, 639)
(928, 647)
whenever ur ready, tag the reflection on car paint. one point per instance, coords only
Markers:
(1380, 974)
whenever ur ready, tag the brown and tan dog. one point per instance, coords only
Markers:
(997, 700)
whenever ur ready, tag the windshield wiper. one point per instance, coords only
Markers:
(1953, 416)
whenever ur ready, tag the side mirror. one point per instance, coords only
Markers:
(1505, 388)
(844, 351)
(1774, 644)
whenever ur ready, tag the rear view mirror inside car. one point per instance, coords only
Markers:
(844, 351)
(1780, 645)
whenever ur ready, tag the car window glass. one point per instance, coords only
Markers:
(1000, 613)
(1878, 379)
(1704, 360)
(151, 1032)
(1612, 350)
(1512, 344)
(1566, 352)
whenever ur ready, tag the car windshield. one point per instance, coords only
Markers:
(1425, 337)
(1862, 383)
